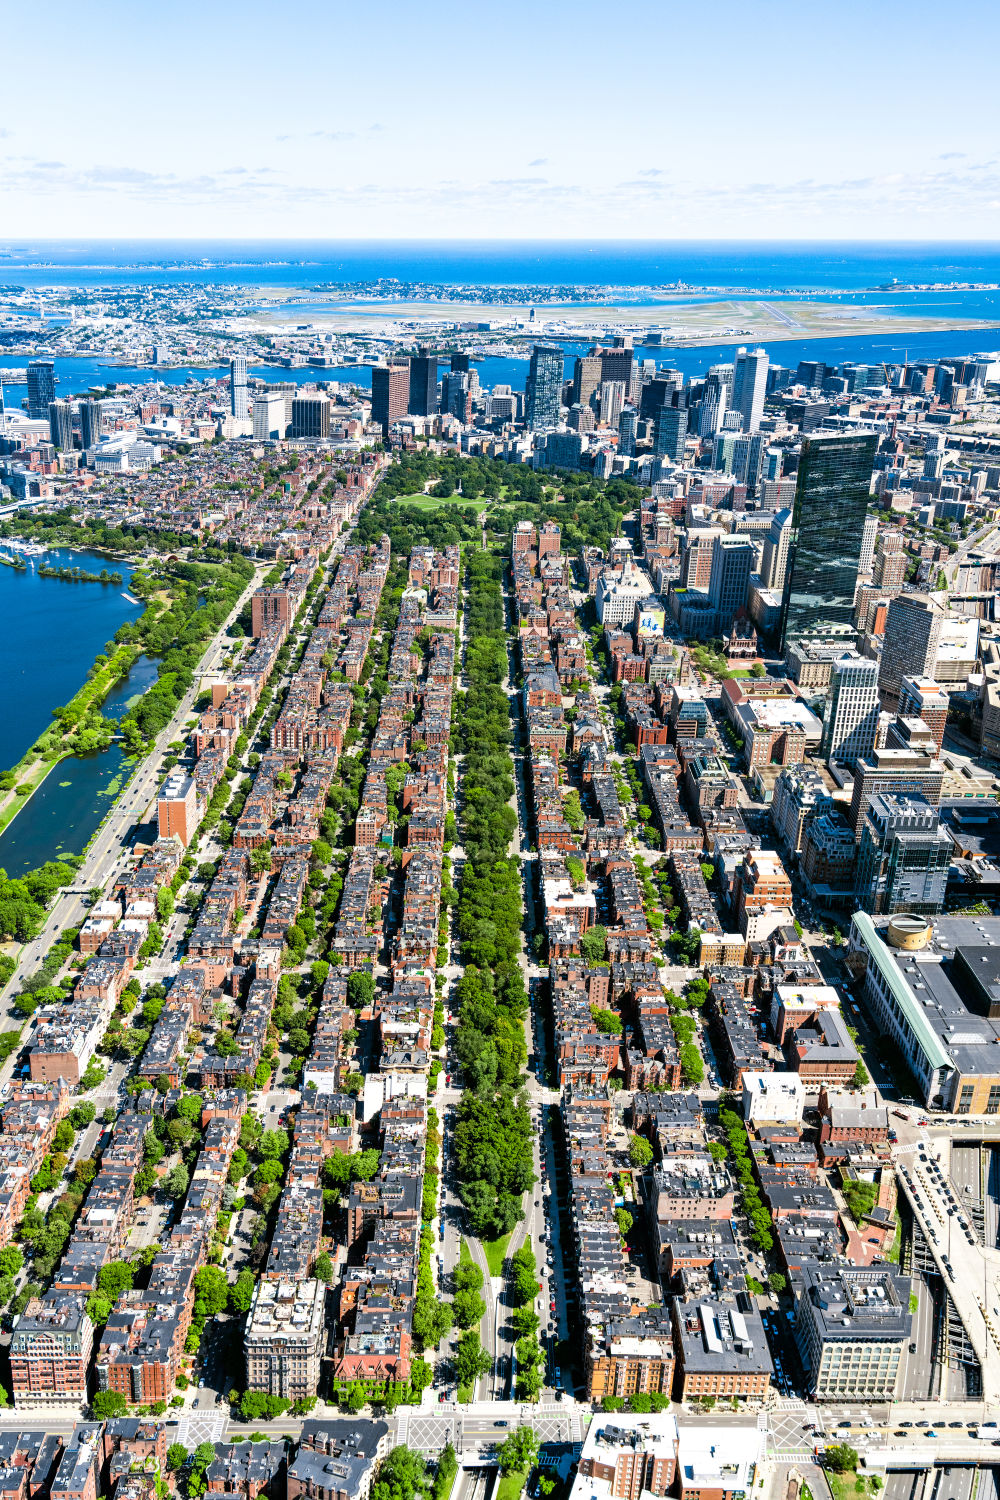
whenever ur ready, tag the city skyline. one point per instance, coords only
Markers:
(360, 159)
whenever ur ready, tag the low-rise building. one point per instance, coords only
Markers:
(850, 1327)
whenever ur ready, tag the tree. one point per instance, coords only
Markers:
(64, 1136)
(211, 1287)
(401, 1476)
(471, 1359)
(110, 1404)
(273, 1144)
(360, 988)
(594, 944)
(518, 1451)
(177, 1457)
(640, 1152)
(114, 1278)
(469, 1309)
(241, 1292)
(11, 1260)
(354, 1398)
(777, 1281)
(323, 1269)
(861, 1078)
(177, 1181)
(841, 1458)
(82, 1115)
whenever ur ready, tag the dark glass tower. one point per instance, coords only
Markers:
(423, 384)
(828, 522)
(41, 387)
(543, 390)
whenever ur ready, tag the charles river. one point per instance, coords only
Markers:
(53, 630)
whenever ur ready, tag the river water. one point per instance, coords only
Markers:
(52, 632)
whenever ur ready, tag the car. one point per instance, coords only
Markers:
(956, 1424)
(441, 1397)
(913, 1348)
(501, 1424)
(921, 1424)
(906, 1424)
(930, 1432)
(899, 1432)
(846, 1423)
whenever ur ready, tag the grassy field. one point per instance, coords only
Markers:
(511, 1485)
(496, 1253)
(436, 502)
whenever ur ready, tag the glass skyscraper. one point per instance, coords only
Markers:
(41, 387)
(828, 523)
(543, 390)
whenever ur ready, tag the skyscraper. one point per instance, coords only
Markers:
(423, 384)
(909, 649)
(460, 364)
(868, 539)
(456, 398)
(239, 395)
(543, 389)
(828, 520)
(750, 386)
(586, 377)
(626, 432)
(269, 416)
(732, 559)
(390, 392)
(310, 417)
(903, 858)
(612, 401)
(61, 425)
(619, 364)
(41, 387)
(670, 433)
(852, 709)
(774, 558)
(90, 423)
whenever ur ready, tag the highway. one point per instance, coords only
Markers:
(110, 843)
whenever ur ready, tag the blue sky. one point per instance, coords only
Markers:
(639, 119)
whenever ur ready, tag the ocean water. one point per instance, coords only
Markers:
(840, 265)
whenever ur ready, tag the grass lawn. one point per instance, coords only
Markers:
(511, 1485)
(496, 1252)
(848, 1486)
(465, 1393)
(435, 502)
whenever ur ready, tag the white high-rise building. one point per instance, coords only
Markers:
(713, 406)
(269, 420)
(750, 386)
(774, 559)
(869, 536)
(239, 395)
(852, 709)
(612, 400)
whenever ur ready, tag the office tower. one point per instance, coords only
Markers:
(771, 467)
(921, 698)
(456, 397)
(581, 419)
(586, 377)
(310, 417)
(460, 364)
(90, 423)
(748, 456)
(670, 433)
(890, 568)
(423, 384)
(903, 858)
(390, 392)
(868, 538)
(239, 395)
(61, 425)
(933, 464)
(626, 431)
(750, 386)
(810, 373)
(909, 649)
(696, 563)
(897, 771)
(774, 558)
(713, 405)
(828, 522)
(619, 364)
(41, 387)
(611, 402)
(659, 391)
(732, 563)
(852, 709)
(543, 389)
(269, 416)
